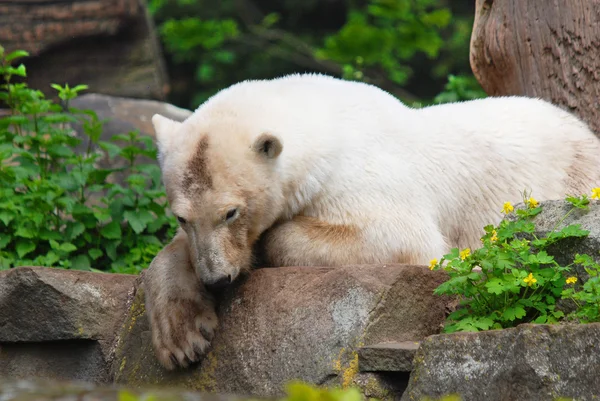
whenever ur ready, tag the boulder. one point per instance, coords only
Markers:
(564, 251)
(121, 116)
(552, 213)
(60, 323)
(282, 324)
(110, 45)
(529, 362)
(127, 114)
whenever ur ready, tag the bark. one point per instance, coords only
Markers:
(546, 49)
(109, 45)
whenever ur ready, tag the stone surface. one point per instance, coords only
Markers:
(127, 114)
(60, 323)
(564, 251)
(387, 357)
(46, 390)
(529, 362)
(305, 323)
(110, 45)
(123, 115)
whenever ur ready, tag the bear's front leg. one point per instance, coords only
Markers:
(181, 311)
(307, 241)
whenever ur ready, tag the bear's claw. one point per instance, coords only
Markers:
(182, 330)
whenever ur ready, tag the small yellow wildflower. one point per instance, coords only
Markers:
(507, 208)
(596, 193)
(530, 280)
(465, 253)
(494, 236)
(572, 280)
(531, 202)
(432, 264)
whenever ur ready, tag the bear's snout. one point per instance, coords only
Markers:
(220, 283)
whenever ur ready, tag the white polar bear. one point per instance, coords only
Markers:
(320, 171)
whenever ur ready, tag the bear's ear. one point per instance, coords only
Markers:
(268, 145)
(164, 129)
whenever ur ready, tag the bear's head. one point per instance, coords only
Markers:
(220, 181)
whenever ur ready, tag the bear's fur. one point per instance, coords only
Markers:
(327, 172)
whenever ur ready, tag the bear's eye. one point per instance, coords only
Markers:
(181, 220)
(231, 213)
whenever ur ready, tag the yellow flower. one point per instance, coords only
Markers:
(465, 253)
(571, 280)
(530, 280)
(596, 193)
(508, 207)
(432, 264)
(531, 202)
(494, 236)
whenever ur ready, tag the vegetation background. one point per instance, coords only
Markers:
(417, 50)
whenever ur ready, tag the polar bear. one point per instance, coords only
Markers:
(316, 171)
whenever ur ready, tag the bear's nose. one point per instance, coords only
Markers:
(220, 283)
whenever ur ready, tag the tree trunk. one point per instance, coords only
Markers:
(540, 48)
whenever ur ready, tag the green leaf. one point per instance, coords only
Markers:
(74, 230)
(112, 149)
(81, 262)
(496, 286)
(4, 240)
(111, 250)
(138, 220)
(67, 247)
(514, 312)
(111, 231)
(25, 232)
(15, 55)
(95, 253)
(24, 247)
(6, 216)
(60, 151)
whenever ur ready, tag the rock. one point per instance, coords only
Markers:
(46, 390)
(529, 362)
(123, 115)
(60, 323)
(387, 357)
(110, 45)
(564, 252)
(281, 324)
(127, 114)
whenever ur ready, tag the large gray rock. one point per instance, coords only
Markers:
(60, 323)
(296, 323)
(127, 114)
(123, 115)
(530, 362)
(564, 252)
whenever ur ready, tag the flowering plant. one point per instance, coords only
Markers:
(513, 279)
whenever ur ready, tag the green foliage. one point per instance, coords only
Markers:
(298, 391)
(513, 279)
(57, 208)
(407, 47)
(385, 35)
(460, 88)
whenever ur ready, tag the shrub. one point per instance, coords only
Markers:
(512, 278)
(57, 207)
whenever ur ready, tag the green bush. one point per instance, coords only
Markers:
(57, 208)
(512, 279)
